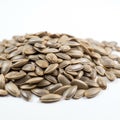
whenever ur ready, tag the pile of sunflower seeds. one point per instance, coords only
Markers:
(56, 66)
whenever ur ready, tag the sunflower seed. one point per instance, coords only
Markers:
(3, 92)
(79, 94)
(64, 80)
(81, 84)
(40, 92)
(12, 89)
(51, 68)
(42, 63)
(101, 82)
(28, 67)
(2, 81)
(62, 89)
(50, 98)
(70, 92)
(15, 75)
(52, 58)
(92, 92)
(34, 80)
(26, 94)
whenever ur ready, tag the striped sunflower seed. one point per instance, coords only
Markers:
(39, 92)
(81, 84)
(12, 89)
(42, 63)
(50, 98)
(3, 92)
(51, 68)
(79, 94)
(15, 75)
(70, 92)
(92, 92)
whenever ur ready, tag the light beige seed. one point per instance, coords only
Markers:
(70, 92)
(81, 84)
(39, 71)
(26, 94)
(92, 92)
(110, 75)
(15, 75)
(43, 83)
(87, 68)
(42, 63)
(20, 63)
(116, 73)
(54, 87)
(102, 82)
(62, 89)
(51, 79)
(34, 40)
(2, 81)
(3, 92)
(49, 50)
(22, 80)
(51, 68)
(40, 92)
(63, 56)
(107, 62)
(80, 74)
(79, 94)
(73, 68)
(6, 65)
(52, 58)
(28, 49)
(32, 74)
(14, 53)
(64, 80)
(64, 48)
(64, 64)
(50, 98)
(34, 80)
(100, 70)
(75, 53)
(28, 67)
(12, 89)
(27, 87)
(91, 83)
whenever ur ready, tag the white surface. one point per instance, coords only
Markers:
(98, 19)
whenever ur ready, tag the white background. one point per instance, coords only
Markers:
(98, 19)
